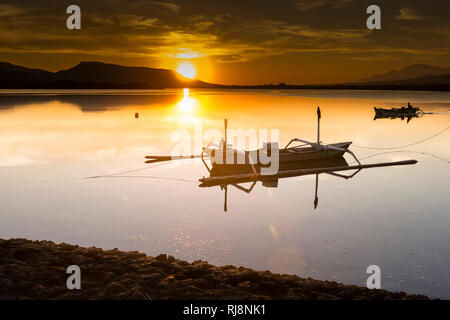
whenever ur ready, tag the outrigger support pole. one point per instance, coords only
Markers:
(300, 140)
(316, 198)
(225, 207)
(152, 159)
(341, 149)
(204, 162)
(225, 187)
(323, 147)
(225, 143)
(318, 125)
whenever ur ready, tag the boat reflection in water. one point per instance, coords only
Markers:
(225, 177)
(402, 117)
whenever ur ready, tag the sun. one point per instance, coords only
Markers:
(187, 70)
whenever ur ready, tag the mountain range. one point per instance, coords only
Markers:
(87, 75)
(99, 75)
(415, 71)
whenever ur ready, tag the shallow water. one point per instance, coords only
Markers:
(395, 217)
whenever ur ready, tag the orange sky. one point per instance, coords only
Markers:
(232, 42)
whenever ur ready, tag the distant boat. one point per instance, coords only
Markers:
(403, 111)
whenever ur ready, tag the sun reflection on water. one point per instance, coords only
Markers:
(188, 104)
(187, 110)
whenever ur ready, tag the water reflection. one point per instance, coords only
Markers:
(38, 128)
(396, 218)
(288, 170)
(89, 103)
(272, 182)
(401, 117)
(187, 104)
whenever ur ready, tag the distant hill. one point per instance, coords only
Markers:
(414, 71)
(439, 82)
(11, 73)
(429, 80)
(99, 75)
(95, 75)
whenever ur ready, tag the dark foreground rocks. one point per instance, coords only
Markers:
(37, 270)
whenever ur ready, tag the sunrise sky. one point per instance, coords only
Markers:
(231, 42)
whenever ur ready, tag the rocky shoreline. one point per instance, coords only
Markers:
(37, 270)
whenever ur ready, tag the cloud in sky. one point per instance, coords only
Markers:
(272, 38)
(168, 5)
(8, 10)
(409, 14)
(306, 5)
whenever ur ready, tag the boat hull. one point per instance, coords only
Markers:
(310, 154)
(288, 159)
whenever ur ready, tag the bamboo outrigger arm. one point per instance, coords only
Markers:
(341, 149)
(313, 144)
(323, 147)
(153, 159)
(204, 162)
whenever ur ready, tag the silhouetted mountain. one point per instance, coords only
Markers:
(12, 73)
(98, 75)
(411, 72)
(431, 80)
(97, 72)
(95, 75)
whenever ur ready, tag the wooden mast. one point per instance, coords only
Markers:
(225, 143)
(318, 125)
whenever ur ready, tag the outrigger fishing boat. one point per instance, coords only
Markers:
(219, 154)
(305, 159)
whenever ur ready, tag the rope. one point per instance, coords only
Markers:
(124, 172)
(111, 175)
(404, 146)
(154, 177)
(405, 151)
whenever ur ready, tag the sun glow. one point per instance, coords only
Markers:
(187, 70)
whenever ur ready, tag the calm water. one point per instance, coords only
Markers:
(395, 217)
